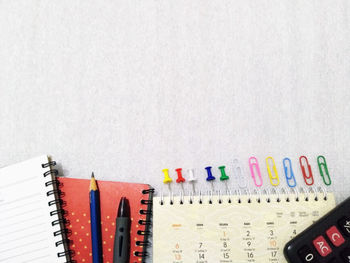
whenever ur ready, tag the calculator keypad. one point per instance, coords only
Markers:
(326, 241)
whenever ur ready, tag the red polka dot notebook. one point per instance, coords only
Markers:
(75, 197)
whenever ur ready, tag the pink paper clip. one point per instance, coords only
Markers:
(253, 162)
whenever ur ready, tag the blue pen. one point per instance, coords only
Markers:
(95, 218)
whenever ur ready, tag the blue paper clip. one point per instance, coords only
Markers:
(290, 177)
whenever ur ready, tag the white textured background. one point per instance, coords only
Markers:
(127, 88)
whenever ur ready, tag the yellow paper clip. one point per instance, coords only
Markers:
(274, 179)
(167, 178)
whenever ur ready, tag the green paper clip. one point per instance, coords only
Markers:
(223, 176)
(322, 166)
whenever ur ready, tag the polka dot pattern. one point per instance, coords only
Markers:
(77, 204)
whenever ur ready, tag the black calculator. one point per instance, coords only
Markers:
(327, 240)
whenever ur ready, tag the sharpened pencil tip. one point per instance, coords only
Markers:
(93, 184)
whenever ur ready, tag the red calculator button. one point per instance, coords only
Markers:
(322, 246)
(335, 237)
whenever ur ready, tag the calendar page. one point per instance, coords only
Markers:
(233, 231)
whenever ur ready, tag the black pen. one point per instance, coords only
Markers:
(121, 250)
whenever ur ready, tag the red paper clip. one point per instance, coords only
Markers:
(306, 177)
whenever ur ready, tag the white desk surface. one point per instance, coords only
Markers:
(127, 88)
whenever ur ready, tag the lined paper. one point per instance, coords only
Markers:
(26, 233)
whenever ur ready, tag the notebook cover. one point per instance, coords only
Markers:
(76, 198)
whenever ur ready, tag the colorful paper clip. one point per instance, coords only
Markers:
(223, 176)
(322, 166)
(180, 178)
(253, 162)
(290, 178)
(274, 179)
(238, 172)
(309, 177)
(210, 175)
(167, 178)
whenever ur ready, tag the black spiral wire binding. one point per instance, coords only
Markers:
(60, 212)
(304, 194)
(147, 223)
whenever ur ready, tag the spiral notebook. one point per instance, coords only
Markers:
(31, 228)
(75, 197)
(238, 228)
(45, 218)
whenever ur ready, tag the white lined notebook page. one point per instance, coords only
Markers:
(26, 232)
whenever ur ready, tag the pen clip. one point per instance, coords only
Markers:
(290, 177)
(238, 172)
(306, 177)
(274, 179)
(253, 163)
(322, 166)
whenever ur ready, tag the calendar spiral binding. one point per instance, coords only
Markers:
(59, 204)
(267, 195)
(147, 223)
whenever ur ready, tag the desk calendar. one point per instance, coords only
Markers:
(231, 229)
